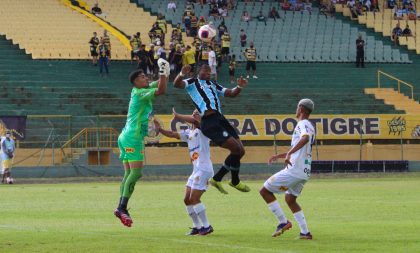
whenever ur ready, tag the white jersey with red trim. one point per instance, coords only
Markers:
(199, 148)
(301, 160)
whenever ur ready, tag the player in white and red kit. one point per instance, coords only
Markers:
(199, 150)
(293, 177)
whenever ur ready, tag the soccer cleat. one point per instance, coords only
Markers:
(247, 76)
(306, 236)
(281, 228)
(218, 185)
(240, 187)
(124, 217)
(254, 76)
(194, 231)
(206, 231)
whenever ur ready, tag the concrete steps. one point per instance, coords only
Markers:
(398, 100)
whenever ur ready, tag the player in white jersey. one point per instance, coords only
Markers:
(293, 177)
(199, 149)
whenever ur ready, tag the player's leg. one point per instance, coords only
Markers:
(236, 182)
(276, 184)
(190, 209)
(248, 68)
(199, 186)
(290, 197)
(254, 69)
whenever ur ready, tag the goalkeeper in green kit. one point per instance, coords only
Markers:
(131, 139)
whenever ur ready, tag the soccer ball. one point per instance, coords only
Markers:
(207, 33)
(9, 180)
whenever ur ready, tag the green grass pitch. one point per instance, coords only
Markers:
(344, 215)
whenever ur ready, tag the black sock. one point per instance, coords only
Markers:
(119, 203)
(220, 174)
(235, 177)
(123, 203)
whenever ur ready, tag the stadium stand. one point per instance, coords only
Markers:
(49, 30)
(299, 36)
(383, 22)
(130, 19)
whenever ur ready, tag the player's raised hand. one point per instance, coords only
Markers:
(241, 82)
(186, 69)
(174, 113)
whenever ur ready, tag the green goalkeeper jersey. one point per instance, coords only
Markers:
(139, 110)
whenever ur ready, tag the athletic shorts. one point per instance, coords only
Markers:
(225, 50)
(213, 70)
(217, 128)
(131, 150)
(7, 164)
(283, 182)
(251, 65)
(231, 72)
(199, 180)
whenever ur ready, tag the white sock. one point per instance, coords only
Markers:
(277, 211)
(194, 216)
(200, 209)
(300, 219)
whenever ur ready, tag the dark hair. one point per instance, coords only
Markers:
(306, 109)
(133, 75)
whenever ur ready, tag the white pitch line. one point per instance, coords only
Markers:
(25, 228)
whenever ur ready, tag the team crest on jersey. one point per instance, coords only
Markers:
(129, 150)
(225, 134)
(283, 188)
(197, 178)
(194, 156)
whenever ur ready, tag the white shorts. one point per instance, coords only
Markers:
(199, 180)
(213, 70)
(282, 182)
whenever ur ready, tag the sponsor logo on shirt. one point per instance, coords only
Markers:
(129, 150)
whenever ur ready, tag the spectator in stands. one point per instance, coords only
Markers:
(155, 33)
(225, 46)
(367, 5)
(163, 26)
(218, 51)
(412, 14)
(189, 58)
(202, 21)
(186, 19)
(194, 25)
(285, 5)
(222, 29)
(203, 54)
(103, 57)
(94, 43)
(396, 33)
(360, 52)
(307, 6)
(223, 12)
(97, 11)
(245, 16)
(399, 12)
(273, 13)
(212, 62)
(159, 51)
(143, 60)
(232, 67)
(214, 12)
(172, 5)
(153, 62)
(243, 37)
(262, 18)
(197, 45)
(407, 32)
(177, 59)
(135, 43)
(107, 42)
(391, 4)
(251, 58)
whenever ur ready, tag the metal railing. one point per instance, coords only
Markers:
(94, 137)
(399, 82)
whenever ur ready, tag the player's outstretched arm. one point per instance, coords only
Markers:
(179, 79)
(167, 133)
(302, 142)
(164, 71)
(275, 157)
(241, 83)
(185, 118)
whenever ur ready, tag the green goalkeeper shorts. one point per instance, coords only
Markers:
(131, 149)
